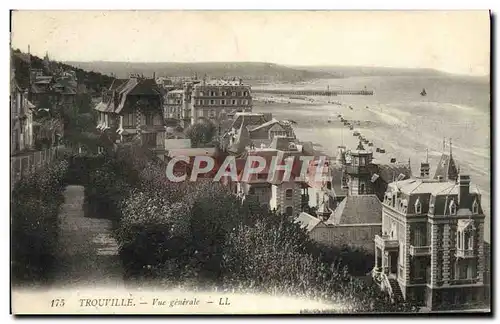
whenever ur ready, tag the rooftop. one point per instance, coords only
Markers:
(363, 209)
(307, 221)
(429, 186)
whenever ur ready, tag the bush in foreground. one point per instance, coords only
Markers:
(35, 204)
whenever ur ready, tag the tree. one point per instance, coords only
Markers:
(201, 133)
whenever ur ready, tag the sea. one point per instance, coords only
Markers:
(410, 127)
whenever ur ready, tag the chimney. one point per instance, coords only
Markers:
(463, 194)
(440, 178)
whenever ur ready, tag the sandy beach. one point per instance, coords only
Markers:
(405, 130)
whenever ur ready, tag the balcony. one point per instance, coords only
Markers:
(384, 242)
(467, 281)
(357, 169)
(464, 254)
(420, 250)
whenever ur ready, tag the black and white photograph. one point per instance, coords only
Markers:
(251, 162)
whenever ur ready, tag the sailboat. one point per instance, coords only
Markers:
(423, 93)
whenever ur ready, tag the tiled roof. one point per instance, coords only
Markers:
(363, 209)
(446, 168)
(265, 124)
(283, 143)
(390, 172)
(145, 87)
(434, 187)
(307, 221)
(117, 83)
(253, 119)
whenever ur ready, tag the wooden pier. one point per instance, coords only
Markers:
(326, 93)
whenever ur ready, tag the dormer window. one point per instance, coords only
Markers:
(475, 207)
(453, 208)
(418, 207)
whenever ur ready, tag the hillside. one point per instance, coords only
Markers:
(245, 70)
(355, 71)
(89, 81)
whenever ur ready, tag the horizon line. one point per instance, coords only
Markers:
(287, 65)
(295, 65)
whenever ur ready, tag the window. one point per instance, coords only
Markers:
(251, 191)
(224, 93)
(211, 113)
(234, 102)
(128, 120)
(149, 139)
(418, 207)
(178, 101)
(469, 238)
(212, 102)
(245, 93)
(223, 102)
(475, 207)
(459, 240)
(362, 189)
(393, 230)
(233, 94)
(289, 211)
(453, 208)
(149, 119)
(201, 93)
(289, 194)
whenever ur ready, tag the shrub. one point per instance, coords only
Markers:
(201, 234)
(35, 204)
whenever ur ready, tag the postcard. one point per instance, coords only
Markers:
(250, 162)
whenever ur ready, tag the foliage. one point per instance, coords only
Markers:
(93, 81)
(35, 203)
(201, 133)
(202, 235)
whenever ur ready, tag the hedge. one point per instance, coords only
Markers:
(35, 203)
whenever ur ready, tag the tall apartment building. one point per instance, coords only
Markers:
(173, 104)
(218, 100)
(432, 247)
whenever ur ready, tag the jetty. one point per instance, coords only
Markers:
(326, 93)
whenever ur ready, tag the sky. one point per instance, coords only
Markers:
(450, 41)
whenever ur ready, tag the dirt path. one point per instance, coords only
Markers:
(88, 254)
